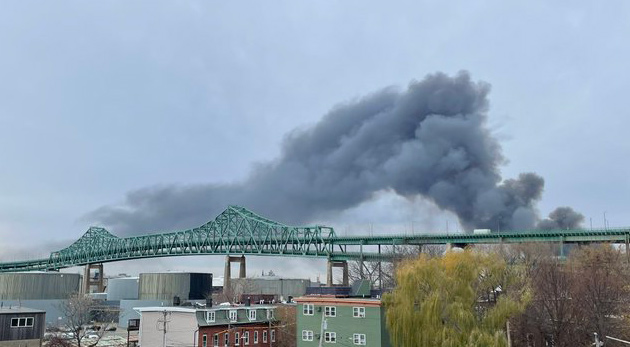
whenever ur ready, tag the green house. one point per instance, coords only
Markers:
(340, 322)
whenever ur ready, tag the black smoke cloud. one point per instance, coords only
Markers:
(430, 140)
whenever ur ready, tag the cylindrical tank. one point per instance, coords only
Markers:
(122, 288)
(165, 286)
(38, 285)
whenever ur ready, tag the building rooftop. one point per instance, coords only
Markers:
(195, 309)
(18, 309)
(333, 299)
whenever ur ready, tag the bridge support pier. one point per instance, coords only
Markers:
(227, 273)
(93, 279)
(329, 273)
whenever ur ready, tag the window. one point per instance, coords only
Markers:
(264, 336)
(204, 340)
(330, 337)
(237, 339)
(307, 310)
(273, 336)
(255, 337)
(226, 338)
(358, 312)
(23, 322)
(210, 316)
(330, 311)
(233, 316)
(307, 335)
(215, 340)
(246, 338)
(359, 339)
(252, 314)
(269, 314)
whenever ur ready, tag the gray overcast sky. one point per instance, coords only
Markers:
(101, 98)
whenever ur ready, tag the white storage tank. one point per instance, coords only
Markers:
(122, 288)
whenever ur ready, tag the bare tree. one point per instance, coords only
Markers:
(602, 285)
(286, 320)
(572, 298)
(82, 312)
(237, 286)
(376, 272)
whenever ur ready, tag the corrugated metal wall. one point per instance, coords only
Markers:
(38, 286)
(284, 287)
(164, 286)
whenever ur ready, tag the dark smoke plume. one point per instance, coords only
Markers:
(562, 218)
(429, 141)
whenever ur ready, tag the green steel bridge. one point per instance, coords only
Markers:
(240, 231)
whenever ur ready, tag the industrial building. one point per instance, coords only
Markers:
(39, 290)
(38, 285)
(21, 326)
(281, 288)
(122, 288)
(168, 285)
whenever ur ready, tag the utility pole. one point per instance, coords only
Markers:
(322, 328)
(164, 322)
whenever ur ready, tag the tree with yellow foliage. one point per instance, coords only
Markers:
(460, 299)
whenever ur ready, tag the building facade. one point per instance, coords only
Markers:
(228, 326)
(20, 326)
(224, 326)
(340, 321)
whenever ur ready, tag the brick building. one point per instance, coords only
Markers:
(228, 326)
(224, 326)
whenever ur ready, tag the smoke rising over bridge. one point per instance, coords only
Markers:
(429, 141)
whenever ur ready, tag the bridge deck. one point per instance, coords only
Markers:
(240, 231)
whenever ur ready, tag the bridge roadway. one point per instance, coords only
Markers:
(238, 231)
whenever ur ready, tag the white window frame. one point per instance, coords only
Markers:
(330, 337)
(237, 338)
(265, 336)
(255, 337)
(251, 314)
(22, 322)
(269, 314)
(226, 339)
(233, 316)
(204, 340)
(308, 309)
(211, 316)
(330, 311)
(359, 339)
(307, 335)
(273, 335)
(246, 338)
(358, 312)
(215, 340)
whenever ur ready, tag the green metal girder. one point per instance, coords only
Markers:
(240, 231)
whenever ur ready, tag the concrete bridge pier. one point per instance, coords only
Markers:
(93, 279)
(329, 273)
(227, 273)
